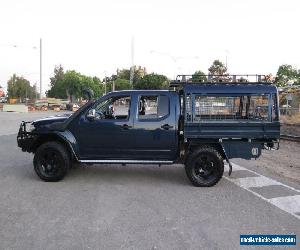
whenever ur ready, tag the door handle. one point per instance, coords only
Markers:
(166, 126)
(126, 126)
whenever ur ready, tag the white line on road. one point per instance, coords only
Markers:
(289, 204)
(12, 133)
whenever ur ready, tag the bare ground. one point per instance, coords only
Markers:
(287, 129)
(284, 162)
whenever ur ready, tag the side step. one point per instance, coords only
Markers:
(127, 161)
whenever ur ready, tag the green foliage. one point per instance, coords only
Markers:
(124, 74)
(139, 72)
(199, 76)
(218, 68)
(57, 88)
(71, 84)
(97, 87)
(152, 81)
(19, 88)
(121, 84)
(285, 74)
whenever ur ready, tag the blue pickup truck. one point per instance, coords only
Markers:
(200, 125)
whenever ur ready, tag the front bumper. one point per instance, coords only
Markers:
(25, 139)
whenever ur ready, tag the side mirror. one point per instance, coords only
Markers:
(91, 115)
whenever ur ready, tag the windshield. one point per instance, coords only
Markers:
(82, 108)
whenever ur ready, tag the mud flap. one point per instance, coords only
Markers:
(227, 160)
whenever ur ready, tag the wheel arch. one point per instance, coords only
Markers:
(65, 138)
(218, 146)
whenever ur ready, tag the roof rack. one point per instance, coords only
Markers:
(220, 79)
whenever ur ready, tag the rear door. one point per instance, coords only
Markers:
(155, 126)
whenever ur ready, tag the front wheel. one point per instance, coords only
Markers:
(51, 161)
(204, 167)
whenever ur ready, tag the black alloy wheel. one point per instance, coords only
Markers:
(204, 167)
(51, 161)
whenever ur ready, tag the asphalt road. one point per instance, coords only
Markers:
(134, 206)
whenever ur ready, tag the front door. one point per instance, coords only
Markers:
(109, 135)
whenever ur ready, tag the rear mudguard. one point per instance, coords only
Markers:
(227, 159)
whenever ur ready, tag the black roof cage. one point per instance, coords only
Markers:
(217, 79)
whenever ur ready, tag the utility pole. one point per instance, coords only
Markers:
(132, 62)
(41, 68)
(105, 84)
(35, 87)
(113, 85)
(226, 59)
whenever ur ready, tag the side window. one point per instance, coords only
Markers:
(251, 107)
(114, 108)
(258, 107)
(153, 107)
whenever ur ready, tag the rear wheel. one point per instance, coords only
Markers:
(51, 161)
(204, 167)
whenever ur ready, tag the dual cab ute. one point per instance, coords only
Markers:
(198, 124)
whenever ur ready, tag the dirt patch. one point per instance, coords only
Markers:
(285, 162)
(291, 119)
(288, 129)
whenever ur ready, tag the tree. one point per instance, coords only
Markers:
(124, 74)
(152, 81)
(121, 84)
(57, 88)
(91, 83)
(287, 73)
(199, 76)
(139, 72)
(19, 88)
(73, 84)
(98, 87)
(218, 68)
(70, 84)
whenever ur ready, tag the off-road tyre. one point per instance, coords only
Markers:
(204, 166)
(51, 161)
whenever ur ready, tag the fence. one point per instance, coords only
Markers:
(289, 111)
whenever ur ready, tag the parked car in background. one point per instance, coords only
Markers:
(3, 100)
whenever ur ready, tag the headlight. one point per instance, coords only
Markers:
(31, 127)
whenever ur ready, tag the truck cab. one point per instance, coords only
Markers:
(129, 126)
(198, 124)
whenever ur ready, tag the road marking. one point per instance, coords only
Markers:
(10, 133)
(250, 182)
(289, 204)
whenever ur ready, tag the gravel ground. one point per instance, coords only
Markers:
(290, 129)
(284, 162)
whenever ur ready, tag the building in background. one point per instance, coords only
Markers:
(141, 71)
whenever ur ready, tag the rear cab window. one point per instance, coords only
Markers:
(153, 107)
